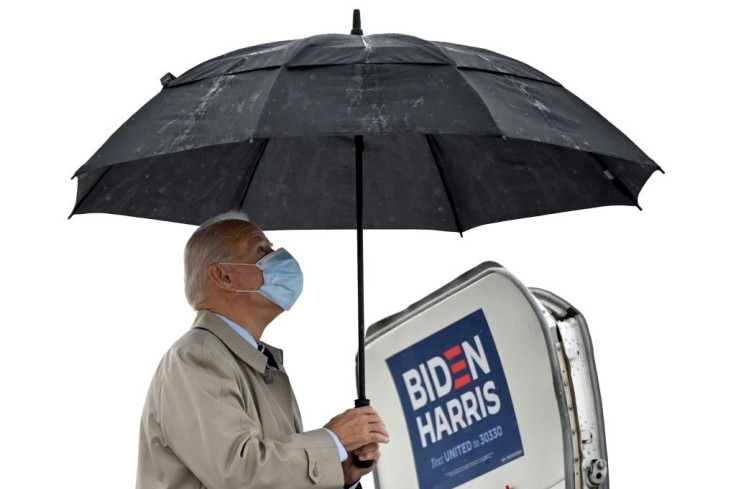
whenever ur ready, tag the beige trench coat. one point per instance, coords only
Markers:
(215, 417)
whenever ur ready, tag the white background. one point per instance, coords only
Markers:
(92, 303)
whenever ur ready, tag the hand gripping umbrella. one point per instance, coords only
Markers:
(362, 132)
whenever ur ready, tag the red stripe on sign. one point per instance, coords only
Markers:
(458, 366)
(452, 352)
(464, 380)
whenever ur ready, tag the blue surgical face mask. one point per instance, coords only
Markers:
(282, 278)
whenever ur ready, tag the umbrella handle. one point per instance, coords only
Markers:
(363, 464)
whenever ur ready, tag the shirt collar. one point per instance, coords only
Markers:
(240, 330)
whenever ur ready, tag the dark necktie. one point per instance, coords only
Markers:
(271, 360)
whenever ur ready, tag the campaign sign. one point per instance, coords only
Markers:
(457, 404)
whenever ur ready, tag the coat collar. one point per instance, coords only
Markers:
(241, 348)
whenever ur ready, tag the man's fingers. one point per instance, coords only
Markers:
(368, 452)
(372, 417)
(358, 427)
(374, 455)
(378, 428)
(371, 447)
(377, 431)
(378, 438)
(374, 421)
(364, 410)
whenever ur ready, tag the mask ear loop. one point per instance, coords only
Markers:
(246, 265)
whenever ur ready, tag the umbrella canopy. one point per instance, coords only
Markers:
(454, 137)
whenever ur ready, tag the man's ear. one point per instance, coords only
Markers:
(220, 277)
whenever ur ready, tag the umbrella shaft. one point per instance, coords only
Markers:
(361, 400)
(359, 228)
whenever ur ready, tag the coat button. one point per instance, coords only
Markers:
(268, 379)
(315, 472)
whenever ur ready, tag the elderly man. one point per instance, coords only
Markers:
(220, 412)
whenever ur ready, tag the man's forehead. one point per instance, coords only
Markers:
(258, 238)
(255, 236)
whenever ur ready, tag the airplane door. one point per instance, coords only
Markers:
(477, 384)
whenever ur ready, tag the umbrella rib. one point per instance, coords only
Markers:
(482, 102)
(84, 197)
(266, 98)
(433, 149)
(253, 172)
(617, 182)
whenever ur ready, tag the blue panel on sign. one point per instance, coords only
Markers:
(457, 404)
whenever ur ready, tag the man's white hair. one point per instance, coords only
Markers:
(210, 243)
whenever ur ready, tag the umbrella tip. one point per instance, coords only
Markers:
(356, 23)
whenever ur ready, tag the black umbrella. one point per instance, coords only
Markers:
(437, 136)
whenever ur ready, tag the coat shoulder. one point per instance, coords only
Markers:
(201, 349)
(199, 340)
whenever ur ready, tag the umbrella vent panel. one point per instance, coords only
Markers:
(373, 99)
